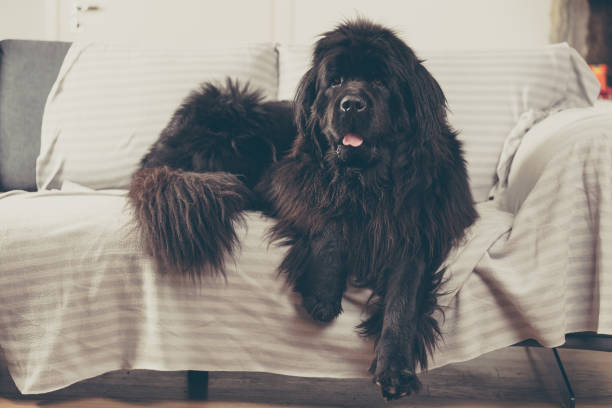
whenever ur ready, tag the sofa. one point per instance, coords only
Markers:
(80, 298)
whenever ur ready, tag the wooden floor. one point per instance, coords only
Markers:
(513, 377)
(105, 403)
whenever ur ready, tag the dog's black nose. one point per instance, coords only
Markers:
(353, 103)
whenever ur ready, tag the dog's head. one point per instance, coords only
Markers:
(365, 92)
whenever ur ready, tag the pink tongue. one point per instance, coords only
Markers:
(351, 139)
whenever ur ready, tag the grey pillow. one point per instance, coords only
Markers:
(28, 69)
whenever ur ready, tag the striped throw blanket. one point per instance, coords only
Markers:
(79, 298)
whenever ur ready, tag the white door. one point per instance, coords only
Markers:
(169, 23)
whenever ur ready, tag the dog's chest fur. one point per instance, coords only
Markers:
(372, 237)
(352, 203)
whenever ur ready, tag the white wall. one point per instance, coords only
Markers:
(28, 19)
(425, 24)
(437, 24)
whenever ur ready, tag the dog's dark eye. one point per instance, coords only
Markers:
(378, 82)
(335, 82)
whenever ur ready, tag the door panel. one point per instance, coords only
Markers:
(177, 23)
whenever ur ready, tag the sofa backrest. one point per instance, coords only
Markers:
(28, 69)
(111, 102)
(494, 96)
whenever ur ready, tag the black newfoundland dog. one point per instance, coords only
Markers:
(363, 174)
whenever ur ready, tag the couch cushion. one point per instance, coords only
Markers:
(110, 102)
(490, 94)
(27, 72)
(80, 298)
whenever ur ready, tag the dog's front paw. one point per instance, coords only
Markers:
(323, 311)
(395, 378)
(397, 384)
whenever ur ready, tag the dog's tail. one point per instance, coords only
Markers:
(186, 219)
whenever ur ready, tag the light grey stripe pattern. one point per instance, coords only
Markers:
(80, 299)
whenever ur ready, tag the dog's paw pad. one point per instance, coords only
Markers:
(321, 311)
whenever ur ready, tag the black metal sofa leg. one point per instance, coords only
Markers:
(569, 399)
(197, 385)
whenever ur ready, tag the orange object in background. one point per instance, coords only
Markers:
(601, 72)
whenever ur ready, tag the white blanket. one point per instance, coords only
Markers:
(78, 297)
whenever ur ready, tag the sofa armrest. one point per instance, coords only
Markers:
(28, 69)
(542, 142)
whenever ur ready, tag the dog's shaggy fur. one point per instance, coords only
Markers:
(368, 187)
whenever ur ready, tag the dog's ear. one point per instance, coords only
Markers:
(427, 96)
(306, 124)
(422, 96)
(304, 98)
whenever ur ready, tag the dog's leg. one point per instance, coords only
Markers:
(186, 219)
(196, 181)
(323, 280)
(408, 331)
